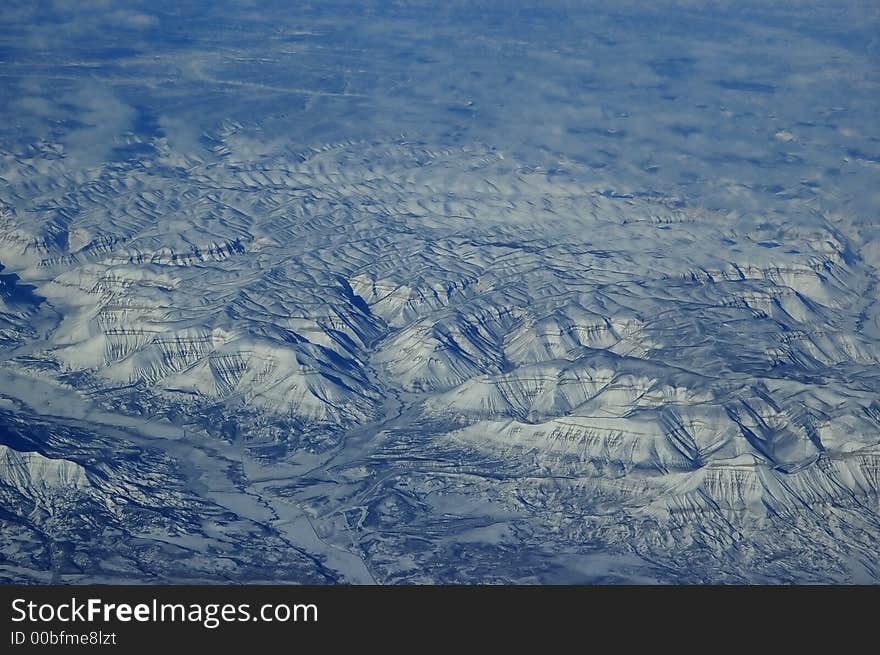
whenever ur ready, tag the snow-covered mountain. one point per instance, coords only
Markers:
(246, 353)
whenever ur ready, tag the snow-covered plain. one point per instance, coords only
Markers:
(399, 294)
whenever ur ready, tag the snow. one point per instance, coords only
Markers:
(441, 296)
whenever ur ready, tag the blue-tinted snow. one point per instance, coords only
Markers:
(457, 292)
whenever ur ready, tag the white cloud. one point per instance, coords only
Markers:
(105, 117)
